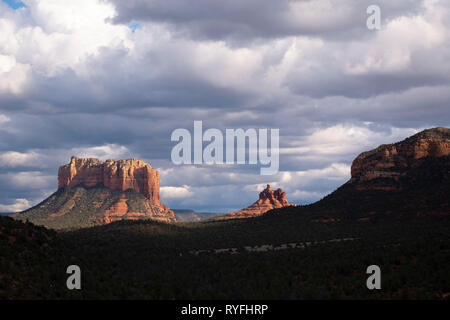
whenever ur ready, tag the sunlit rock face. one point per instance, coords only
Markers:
(115, 175)
(268, 199)
(92, 192)
(384, 167)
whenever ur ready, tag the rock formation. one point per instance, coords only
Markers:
(268, 199)
(405, 180)
(384, 167)
(115, 175)
(92, 192)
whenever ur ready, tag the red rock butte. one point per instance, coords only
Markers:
(389, 163)
(268, 199)
(115, 175)
(91, 192)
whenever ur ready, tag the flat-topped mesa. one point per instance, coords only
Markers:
(384, 167)
(116, 175)
(92, 192)
(268, 199)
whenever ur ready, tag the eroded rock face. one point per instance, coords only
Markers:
(92, 192)
(384, 167)
(115, 175)
(268, 199)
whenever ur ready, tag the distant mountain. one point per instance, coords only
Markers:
(92, 192)
(268, 199)
(410, 178)
(187, 215)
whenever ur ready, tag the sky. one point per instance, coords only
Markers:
(112, 79)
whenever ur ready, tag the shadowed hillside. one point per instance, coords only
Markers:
(407, 179)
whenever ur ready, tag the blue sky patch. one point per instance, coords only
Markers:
(15, 4)
(134, 26)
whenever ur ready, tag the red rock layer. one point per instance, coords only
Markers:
(390, 162)
(268, 199)
(115, 175)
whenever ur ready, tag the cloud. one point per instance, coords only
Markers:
(394, 60)
(4, 119)
(239, 21)
(28, 180)
(306, 186)
(109, 151)
(13, 159)
(341, 140)
(76, 80)
(18, 206)
(49, 158)
(175, 192)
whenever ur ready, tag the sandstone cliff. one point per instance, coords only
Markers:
(115, 175)
(385, 167)
(405, 180)
(268, 199)
(92, 192)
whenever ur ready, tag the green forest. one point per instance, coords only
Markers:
(151, 260)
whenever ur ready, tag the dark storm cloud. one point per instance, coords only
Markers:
(240, 21)
(114, 85)
(417, 107)
(360, 86)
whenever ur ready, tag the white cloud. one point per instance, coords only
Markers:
(304, 186)
(333, 172)
(4, 119)
(300, 196)
(29, 180)
(342, 140)
(18, 206)
(394, 46)
(17, 159)
(108, 151)
(13, 75)
(6, 63)
(49, 158)
(175, 192)
(60, 34)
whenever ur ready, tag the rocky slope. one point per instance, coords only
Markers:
(386, 167)
(407, 179)
(92, 192)
(268, 199)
